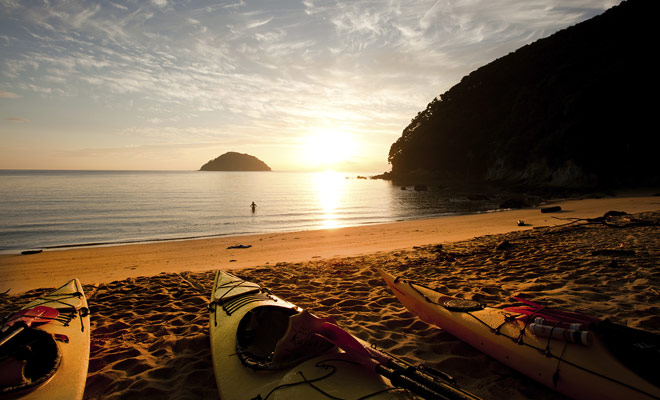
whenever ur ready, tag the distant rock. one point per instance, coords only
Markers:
(233, 161)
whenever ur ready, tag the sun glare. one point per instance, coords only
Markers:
(329, 187)
(329, 149)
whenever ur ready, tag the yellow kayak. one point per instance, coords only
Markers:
(45, 347)
(264, 347)
(577, 355)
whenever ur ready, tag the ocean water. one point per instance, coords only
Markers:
(50, 209)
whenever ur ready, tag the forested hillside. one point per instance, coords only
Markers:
(576, 109)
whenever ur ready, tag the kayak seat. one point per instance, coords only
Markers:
(28, 360)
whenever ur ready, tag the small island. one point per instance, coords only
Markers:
(233, 161)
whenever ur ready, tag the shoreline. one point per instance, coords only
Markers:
(120, 242)
(150, 334)
(96, 265)
(471, 202)
(210, 236)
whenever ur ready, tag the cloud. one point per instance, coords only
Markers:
(160, 3)
(127, 52)
(256, 24)
(8, 95)
(260, 69)
(17, 120)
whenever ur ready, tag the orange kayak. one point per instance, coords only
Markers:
(577, 355)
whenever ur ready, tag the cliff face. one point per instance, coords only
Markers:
(233, 161)
(570, 110)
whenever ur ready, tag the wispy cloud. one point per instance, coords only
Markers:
(160, 3)
(256, 24)
(8, 95)
(17, 120)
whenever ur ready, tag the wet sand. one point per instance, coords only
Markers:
(96, 265)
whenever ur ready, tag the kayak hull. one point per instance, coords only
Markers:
(333, 372)
(71, 330)
(576, 370)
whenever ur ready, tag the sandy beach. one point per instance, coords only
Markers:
(150, 323)
(97, 265)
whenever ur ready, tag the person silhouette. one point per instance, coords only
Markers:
(253, 206)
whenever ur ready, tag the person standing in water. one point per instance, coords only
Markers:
(253, 206)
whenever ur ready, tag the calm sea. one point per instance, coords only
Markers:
(46, 209)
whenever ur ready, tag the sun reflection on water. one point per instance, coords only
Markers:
(329, 188)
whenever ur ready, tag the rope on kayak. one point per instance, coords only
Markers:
(555, 376)
(380, 392)
(320, 364)
(323, 364)
(231, 286)
(67, 311)
(519, 340)
(59, 298)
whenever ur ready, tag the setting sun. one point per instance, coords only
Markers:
(328, 148)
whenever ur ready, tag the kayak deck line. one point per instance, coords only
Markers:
(236, 303)
(515, 326)
(520, 341)
(68, 312)
(232, 298)
(324, 364)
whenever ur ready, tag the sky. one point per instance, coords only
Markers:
(302, 85)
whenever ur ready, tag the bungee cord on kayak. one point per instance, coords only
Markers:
(324, 364)
(550, 333)
(61, 305)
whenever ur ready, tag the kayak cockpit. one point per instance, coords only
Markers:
(27, 361)
(272, 338)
